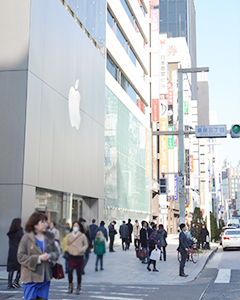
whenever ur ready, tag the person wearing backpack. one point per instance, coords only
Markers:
(99, 249)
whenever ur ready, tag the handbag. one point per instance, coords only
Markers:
(57, 271)
(207, 239)
(141, 253)
(155, 254)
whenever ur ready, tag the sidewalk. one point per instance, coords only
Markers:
(122, 267)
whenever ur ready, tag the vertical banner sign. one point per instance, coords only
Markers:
(155, 110)
(171, 185)
(155, 19)
(140, 104)
(170, 139)
(147, 155)
(154, 157)
(170, 93)
(191, 163)
(175, 197)
(163, 138)
(186, 107)
(163, 64)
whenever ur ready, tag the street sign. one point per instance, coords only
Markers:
(212, 131)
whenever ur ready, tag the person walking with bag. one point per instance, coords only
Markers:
(153, 247)
(144, 240)
(154, 257)
(15, 234)
(203, 234)
(76, 245)
(99, 249)
(37, 254)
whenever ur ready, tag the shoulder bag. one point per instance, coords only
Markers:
(66, 254)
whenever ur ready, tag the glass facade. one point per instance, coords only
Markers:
(127, 180)
(92, 14)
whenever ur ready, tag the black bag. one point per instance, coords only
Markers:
(57, 271)
(66, 255)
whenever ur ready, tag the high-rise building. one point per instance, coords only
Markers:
(178, 19)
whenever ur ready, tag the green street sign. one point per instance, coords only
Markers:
(186, 107)
(170, 139)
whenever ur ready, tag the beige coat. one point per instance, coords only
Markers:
(28, 254)
(78, 247)
(136, 231)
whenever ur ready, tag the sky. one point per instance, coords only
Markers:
(218, 47)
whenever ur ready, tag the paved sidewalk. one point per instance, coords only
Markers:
(122, 267)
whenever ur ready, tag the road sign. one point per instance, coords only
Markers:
(212, 131)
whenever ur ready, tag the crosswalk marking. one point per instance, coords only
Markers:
(114, 298)
(224, 276)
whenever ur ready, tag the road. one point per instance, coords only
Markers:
(219, 280)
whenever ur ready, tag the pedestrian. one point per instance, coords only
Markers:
(14, 234)
(152, 242)
(136, 233)
(56, 233)
(37, 253)
(99, 249)
(112, 232)
(182, 248)
(89, 248)
(124, 235)
(92, 229)
(203, 234)
(155, 255)
(130, 229)
(76, 245)
(67, 231)
(163, 243)
(144, 239)
(193, 230)
(102, 229)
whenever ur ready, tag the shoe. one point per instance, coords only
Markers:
(96, 269)
(183, 275)
(78, 289)
(11, 287)
(15, 284)
(144, 262)
(83, 272)
(148, 269)
(70, 288)
(101, 269)
(155, 270)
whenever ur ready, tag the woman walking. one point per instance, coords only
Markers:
(76, 244)
(153, 244)
(203, 234)
(37, 253)
(15, 234)
(162, 238)
(99, 249)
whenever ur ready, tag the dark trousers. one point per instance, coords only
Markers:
(70, 275)
(86, 258)
(164, 253)
(151, 261)
(99, 257)
(111, 242)
(137, 243)
(124, 241)
(182, 263)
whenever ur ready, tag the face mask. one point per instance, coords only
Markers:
(75, 229)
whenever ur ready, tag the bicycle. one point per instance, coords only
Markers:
(192, 254)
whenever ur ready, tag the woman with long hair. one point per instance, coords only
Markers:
(76, 244)
(37, 253)
(15, 234)
(99, 249)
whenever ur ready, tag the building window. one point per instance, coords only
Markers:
(121, 38)
(128, 88)
(110, 19)
(111, 67)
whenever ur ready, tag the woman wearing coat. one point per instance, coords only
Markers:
(37, 253)
(76, 244)
(136, 232)
(203, 234)
(162, 237)
(15, 234)
(99, 249)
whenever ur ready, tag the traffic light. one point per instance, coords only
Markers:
(163, 186)
(235, 131)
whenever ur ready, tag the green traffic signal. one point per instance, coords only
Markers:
(236, 128)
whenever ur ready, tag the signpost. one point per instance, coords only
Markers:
(211, 131)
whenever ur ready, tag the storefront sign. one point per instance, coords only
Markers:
(155, 19)
(163, 63)
(191, 163)
(155, 110)
(170, 93)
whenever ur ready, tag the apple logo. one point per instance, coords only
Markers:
(74, 98)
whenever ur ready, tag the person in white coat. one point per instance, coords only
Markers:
(136, 232)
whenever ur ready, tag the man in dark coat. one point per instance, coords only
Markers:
(203, 234)
(93, 228)
(183, 248)
(103, 229)
(124, 235)
(193, 230)
(111, 232)
(144, 238)
(130, 229)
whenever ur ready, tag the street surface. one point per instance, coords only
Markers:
(219, 279)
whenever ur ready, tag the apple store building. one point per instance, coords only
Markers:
(52, 115)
